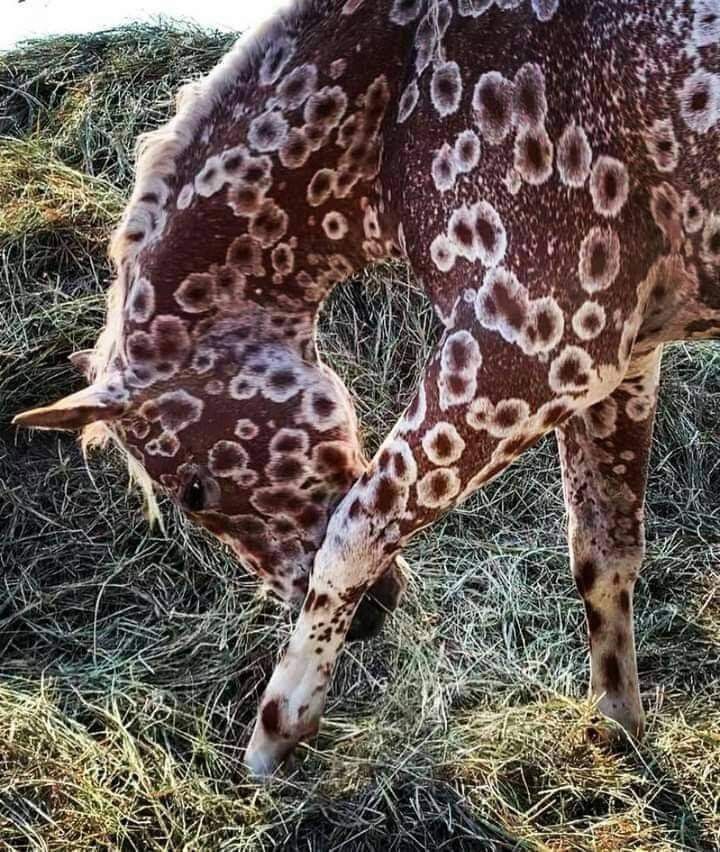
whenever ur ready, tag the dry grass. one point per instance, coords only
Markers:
(132, 660)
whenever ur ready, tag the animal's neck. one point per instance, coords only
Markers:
(266, 192)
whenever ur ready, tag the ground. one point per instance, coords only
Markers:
(133, 658)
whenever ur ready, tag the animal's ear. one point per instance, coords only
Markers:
(82, 360)
(77, 410)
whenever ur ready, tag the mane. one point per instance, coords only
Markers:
(156, 155)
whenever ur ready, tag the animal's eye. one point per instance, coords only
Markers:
(194, 495)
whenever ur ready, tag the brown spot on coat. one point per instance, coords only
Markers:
(611, 670)
(555, 413)
(585, 576)
(271, 717)
(354, 509)
(386, 496)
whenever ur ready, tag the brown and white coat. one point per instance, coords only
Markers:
(549, 168)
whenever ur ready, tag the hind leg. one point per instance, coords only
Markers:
(604, 452)
(465, 426)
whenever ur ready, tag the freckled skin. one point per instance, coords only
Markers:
(606, 533)
(546, 225)
(561, 243)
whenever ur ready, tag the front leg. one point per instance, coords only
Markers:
(466, 425)
(604, 453)
(295, 697)
(357, 550)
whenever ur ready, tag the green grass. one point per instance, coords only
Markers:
(132, 659)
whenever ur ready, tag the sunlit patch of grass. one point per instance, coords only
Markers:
(132, 660)
(41, 197)
(69, 785)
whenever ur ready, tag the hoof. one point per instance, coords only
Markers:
(263, 765)
(617, 737)
(380, 599)
(289, 712)
(266, 753)
(627, 712)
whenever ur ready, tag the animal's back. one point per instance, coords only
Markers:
(598, 121)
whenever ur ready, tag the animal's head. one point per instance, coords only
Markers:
(207, 372)
(238, 421)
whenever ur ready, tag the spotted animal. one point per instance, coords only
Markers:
(549, 169)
